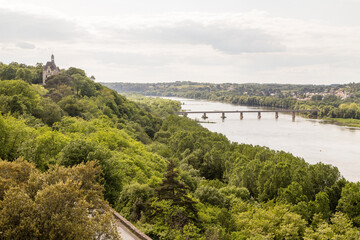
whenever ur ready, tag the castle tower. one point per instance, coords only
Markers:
(50, 69)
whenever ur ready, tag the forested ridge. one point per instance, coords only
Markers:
(338, 103)
(72, 148)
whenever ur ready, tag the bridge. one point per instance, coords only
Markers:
(241, 112)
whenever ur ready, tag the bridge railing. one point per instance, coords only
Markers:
(185, 113)
(246, 111)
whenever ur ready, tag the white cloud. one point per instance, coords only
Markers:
(209, 47)
(16, 25)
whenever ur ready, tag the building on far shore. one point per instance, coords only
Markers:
(50, 69)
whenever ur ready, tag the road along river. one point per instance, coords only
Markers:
(313, 140)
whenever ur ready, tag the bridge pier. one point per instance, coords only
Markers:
(185, 115)
(293, 116)
(259, 115)
(204, 116)
(241, 115)
(223, 115)
(276, 115)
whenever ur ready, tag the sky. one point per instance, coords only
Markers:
(237, 41)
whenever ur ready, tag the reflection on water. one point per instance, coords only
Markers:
(307, 138)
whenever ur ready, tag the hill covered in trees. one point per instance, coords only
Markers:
(73, 148)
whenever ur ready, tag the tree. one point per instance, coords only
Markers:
(132, 200)
(321, 205)
(72, 70)
(349, 202)
(292, 194)
(63, 203)
(14, 174)
(72, 106)
(8, 73)
(233, 194)
(267, 222)
(37, 74)
(172, 192)
(334, 193)
(24, 74)
(322, 176)
(55, 81)
(341, 229)
(13, 135)
(18, 96)
(44, 149)
(87, 88)
(208, 194)
(76, 152)
(77, 83)
(18, 216)
(172, 189)
(60, 92)
(48, 111)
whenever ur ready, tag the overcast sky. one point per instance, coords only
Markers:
(264, 41)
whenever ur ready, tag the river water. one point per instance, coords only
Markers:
(313, 140)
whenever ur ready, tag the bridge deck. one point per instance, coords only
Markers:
(248, 111)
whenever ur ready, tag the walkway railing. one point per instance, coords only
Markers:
(131, 227)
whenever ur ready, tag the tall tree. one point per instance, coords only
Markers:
(171, 189)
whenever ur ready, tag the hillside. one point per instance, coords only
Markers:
(74, 147)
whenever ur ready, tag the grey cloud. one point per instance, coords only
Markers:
(153, 60)
(17, 26)
(266, 62)
(131, 59)
(25, 45)
(225, 38)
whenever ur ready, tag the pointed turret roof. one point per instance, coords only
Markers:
(51, 64)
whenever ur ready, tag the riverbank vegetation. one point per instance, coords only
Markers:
(335, 102)
(72, 148)
(344, 121)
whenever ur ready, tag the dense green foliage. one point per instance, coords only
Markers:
(241, 191)
(72, 120)
(63, 203)
(83, 143)
(159, 107)
(30, 74)
(332, 101)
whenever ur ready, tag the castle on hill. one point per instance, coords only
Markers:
(50, 69)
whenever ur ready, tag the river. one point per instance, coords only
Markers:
(313, 140)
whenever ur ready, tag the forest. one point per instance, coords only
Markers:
(73, 149)
(337, 103)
